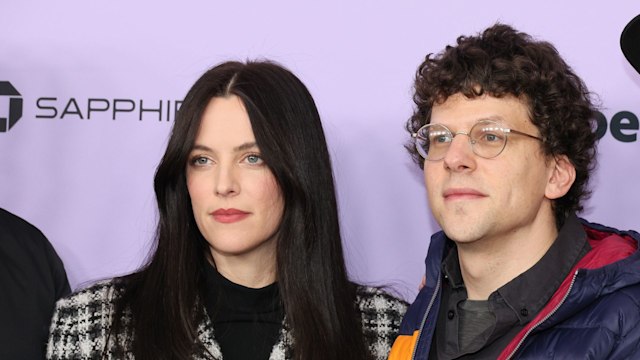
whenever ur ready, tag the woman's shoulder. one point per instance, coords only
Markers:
(81, 321)
(381, 314)
(378, 299)
(93, 304)
(101, 292)
(379, 307)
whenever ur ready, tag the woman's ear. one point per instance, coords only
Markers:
(561, 177)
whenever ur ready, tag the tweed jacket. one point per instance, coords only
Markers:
(81, 323)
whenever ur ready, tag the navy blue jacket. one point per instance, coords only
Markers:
(594, 314)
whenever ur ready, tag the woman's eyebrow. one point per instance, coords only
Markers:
(245, 146)
(242, 147)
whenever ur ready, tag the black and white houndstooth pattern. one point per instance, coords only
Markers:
(81, 323)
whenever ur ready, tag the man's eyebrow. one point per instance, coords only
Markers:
(492, 118)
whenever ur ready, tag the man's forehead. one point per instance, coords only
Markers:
(459, 109)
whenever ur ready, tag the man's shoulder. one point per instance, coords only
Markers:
(609, 327)
(20, 237)
(627, 297)
(612, 305)
(606, 280)
(597, 231)
(10, 222)
(43, 278)
(622, 303)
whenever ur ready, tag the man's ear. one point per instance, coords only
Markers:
(561, 177)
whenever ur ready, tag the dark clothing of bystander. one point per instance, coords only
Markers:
(32, 279)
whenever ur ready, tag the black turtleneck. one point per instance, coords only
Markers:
(246, 321)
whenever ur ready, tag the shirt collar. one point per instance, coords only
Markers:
(529, 292)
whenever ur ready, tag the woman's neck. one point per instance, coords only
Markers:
(252, 271)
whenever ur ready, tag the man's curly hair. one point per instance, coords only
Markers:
(504, 62)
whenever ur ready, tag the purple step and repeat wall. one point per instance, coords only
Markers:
(90, 90)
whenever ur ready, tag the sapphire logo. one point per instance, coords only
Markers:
(15, 106)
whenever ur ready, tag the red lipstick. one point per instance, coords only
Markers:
(227, 216)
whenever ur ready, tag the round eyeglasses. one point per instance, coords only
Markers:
(487, 139)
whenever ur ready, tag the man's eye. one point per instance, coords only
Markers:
(439, 138)
(491, 137)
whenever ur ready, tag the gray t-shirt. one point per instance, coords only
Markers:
(475, 324)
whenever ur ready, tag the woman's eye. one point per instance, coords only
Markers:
(200, 161)
(254, 159)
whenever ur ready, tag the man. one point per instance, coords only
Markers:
(503, 131)
(32, 278)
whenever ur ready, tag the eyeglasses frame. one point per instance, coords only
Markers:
(506, 130)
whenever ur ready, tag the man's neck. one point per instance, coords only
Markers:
(488, 264)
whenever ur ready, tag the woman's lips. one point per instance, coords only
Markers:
(227, 216)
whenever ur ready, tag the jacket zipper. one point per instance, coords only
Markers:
(426, 313)
(564, 298)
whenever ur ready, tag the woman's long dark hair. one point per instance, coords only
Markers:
(164, 297)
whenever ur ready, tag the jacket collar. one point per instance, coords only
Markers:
(613, 263)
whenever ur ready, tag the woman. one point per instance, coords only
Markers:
(248, 261)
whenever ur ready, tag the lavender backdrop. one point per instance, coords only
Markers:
(86, 180)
